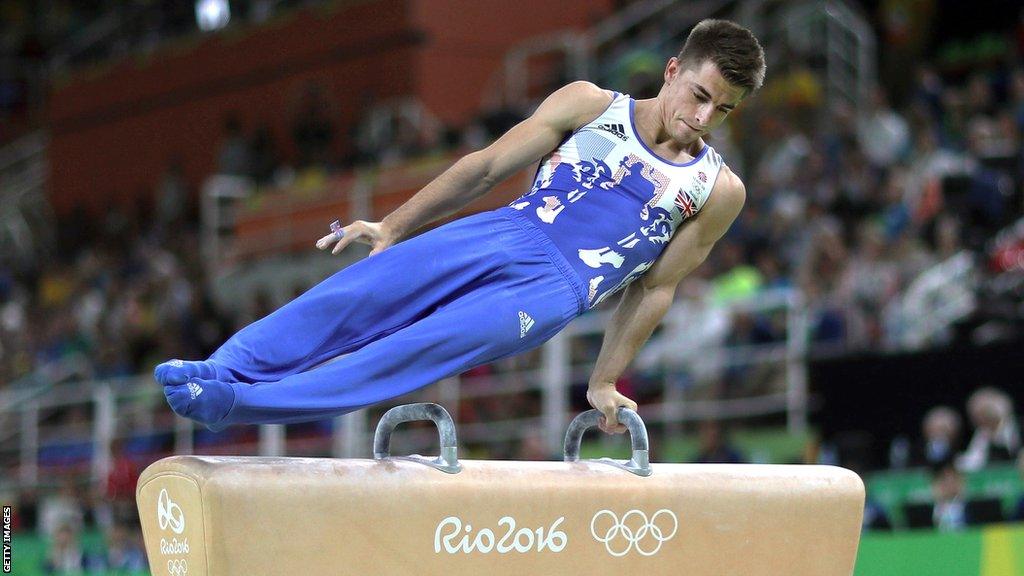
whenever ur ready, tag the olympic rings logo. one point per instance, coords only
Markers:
(177, 567)
(634, 530)
(169, 514)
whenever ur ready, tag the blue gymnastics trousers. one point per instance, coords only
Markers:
(466, 293)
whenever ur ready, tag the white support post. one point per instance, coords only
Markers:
(555, 360)
(183, 438)
(348, 437)
(796, 364)
(448, 395)
(272, 440)
(30, 444)
(104, 421)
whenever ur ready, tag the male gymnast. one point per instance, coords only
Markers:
(627, 196)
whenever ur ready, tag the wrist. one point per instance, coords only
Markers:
(389, 228)
(601, 385)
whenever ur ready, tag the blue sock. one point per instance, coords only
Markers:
(205, 401)
(177, 372)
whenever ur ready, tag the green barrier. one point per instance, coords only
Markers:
(763, 446)
(28, 552)
(993, 551)
(893, 489)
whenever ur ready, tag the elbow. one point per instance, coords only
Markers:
(662, 297)
(478, 168)
(657, 297)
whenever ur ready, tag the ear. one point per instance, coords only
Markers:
(672, 70)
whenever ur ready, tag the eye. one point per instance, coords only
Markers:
(699, 97)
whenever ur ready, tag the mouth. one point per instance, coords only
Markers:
(690, 126)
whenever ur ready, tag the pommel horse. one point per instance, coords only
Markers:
(234, 516)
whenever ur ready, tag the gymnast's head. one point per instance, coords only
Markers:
(720, 64)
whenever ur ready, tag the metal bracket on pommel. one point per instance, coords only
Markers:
(639, 464)
(447, 461)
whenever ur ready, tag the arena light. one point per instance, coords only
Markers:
(212, 14)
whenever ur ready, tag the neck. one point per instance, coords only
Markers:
(648, 118)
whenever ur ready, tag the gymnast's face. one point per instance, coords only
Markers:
(695, 99)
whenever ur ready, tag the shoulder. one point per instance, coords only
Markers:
(577, 103)
(727, 197)
(587, 93)
(729, 189)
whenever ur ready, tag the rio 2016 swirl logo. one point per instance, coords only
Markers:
(169, 514)
(634, 529)
(177, 567)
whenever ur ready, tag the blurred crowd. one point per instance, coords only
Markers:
(88, 528)
(850, 204)
(125, 294)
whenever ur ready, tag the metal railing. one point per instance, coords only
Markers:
(26, 228)
(831, 29)
(940, 296)
(37, 428)
(578, 50)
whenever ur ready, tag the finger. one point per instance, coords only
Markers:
(325, 241)
(603, 425)
(351, 233)
(611, 421)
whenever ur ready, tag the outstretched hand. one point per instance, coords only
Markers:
(607, 399)
(376, 234)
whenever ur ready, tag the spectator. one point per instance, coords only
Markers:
(61, 509)
(996, 434)
(884, 134)
(171, 196)
(949, 512)
(1018, 511)
(65, 555)
(942, 428)
(532, 448)
(267, 167)
(875, 517)
(715, 445)
(234, 158)
(313, 127)
(123, 552)
(121, 484)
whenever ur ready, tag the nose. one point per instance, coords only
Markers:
(703, 113)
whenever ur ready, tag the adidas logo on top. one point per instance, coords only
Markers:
(194, 389)
(525, 323)
(617, 129)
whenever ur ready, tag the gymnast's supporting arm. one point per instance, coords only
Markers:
(475, 174)
(646, 301)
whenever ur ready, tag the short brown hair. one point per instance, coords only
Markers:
(731, 47)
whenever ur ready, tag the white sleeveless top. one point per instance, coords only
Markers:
(610, 204)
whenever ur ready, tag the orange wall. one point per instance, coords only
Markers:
(114, 131)
(466, 42)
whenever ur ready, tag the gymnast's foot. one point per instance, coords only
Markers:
(205, 401)
(176, 372)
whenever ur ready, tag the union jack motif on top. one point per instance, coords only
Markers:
(685, 203)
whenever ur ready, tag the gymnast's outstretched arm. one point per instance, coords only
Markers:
(645, 301)
(477, 173)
